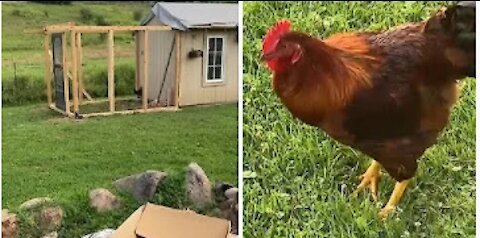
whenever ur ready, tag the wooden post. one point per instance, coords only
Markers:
(177, 68)
(48, 68)
(145, 71)
(66, 90)
(111, 72)
(137, 59)
(73, 35)
(80, 66)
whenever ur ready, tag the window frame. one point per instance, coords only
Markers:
(206, 61)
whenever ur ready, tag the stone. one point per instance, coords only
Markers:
(107, 233)
(9, 224)
(50, 219)
(199, 188)
(103, 200)
(220, 189)
(51, 235)
(229, 208)
(232, 193)
(142, 186)
(35, 203)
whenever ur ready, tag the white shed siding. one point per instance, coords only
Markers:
(160, 45)
(193, 88)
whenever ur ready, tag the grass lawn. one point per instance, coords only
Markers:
(300, 181)
(26, 48)
(45, 154)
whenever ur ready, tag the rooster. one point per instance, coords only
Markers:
(387, 94)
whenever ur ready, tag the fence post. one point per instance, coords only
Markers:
(15, 71)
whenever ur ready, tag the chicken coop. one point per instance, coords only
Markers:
(209, 54)
(185, 54)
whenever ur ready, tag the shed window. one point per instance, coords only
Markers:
(215, 46)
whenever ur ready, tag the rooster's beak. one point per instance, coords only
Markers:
(268, 56)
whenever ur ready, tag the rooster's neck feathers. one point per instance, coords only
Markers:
(327, 76)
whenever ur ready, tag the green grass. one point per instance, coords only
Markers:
(25, 50)
(44, 154)
(303, 180)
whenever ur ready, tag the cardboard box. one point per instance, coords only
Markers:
(154, 221)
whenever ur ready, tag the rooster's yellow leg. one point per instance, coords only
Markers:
(394, 199)
(370, 177)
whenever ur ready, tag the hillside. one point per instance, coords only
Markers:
(22, 53)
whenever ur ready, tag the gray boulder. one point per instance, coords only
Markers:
(199, 188)
(35, 203)
(9, 224)
(142, 186)
(103, 200)
(51, 219)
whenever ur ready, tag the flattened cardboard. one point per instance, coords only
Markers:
(163, 222)
(153, 221)
(127, 229)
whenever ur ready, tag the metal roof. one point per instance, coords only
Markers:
(183, 16)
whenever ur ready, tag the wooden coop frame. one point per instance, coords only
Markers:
(75, 74)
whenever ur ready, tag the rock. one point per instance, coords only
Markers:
(229, 211)
(225, 205)
(232, 193)
(233, 217)
(50, 219)
(229, 208)
(199, 188)
(142, 186)
(51, 235)
(103, 200)
(35, 203)
(9, 224)
(107, 233)
(220, 189)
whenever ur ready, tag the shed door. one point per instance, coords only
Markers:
(58, 70)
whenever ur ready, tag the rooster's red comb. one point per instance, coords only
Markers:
(274, 34)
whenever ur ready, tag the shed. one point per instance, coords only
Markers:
(208, 58)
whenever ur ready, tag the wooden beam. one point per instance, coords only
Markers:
(68, 114)
(126, 112)
(102, 100)
(99, 29)
(111, 72)
(66, 90)
(145, 71)
(84, 92)
(80, 67)
(177, 68)
(73, 40)
(38, 31)
(48, 68)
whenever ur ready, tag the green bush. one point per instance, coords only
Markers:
(124, 79)
(96, 81)
(100, 21)
(23, 90)
(137, 15)
(17, 13)
(28, 90)
(86, 14)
